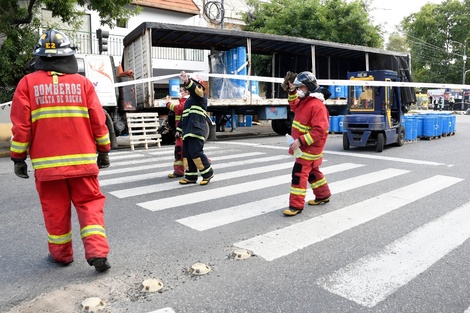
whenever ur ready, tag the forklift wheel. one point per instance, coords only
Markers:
(380, 142)
(345, 141)
(401, 136)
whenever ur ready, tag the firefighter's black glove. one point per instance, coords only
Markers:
(290, 77)
(103, 160)
(21, 169)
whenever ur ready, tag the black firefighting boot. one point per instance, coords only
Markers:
(100, 264)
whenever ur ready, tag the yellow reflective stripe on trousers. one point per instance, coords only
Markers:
(59, 112)
(298, 191)
(318, 183)
(104, 140)
(19, 147)
(64, 160)
(59, 239)
(92, 230)
(311, 157)
(302, 128)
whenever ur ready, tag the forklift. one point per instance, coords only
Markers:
(375, 113)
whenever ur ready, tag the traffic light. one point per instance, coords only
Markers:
(102, 39)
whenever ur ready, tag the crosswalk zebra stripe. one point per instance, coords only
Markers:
(237, 213)
(162, 165)
(166, 203)
(169, 155)
(205, 195)
(137, 191)
(133, 178)
(279, 243)
(374, 277)
(166, 151)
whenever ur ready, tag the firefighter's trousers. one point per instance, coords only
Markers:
(56, 198)
(178, 165)
(195, 160)
(304, 173)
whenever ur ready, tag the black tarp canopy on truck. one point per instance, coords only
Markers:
(331, 60)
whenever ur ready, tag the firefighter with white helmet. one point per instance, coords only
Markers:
(58, 119)
(310, 131)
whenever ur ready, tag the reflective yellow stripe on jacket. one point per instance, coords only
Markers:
(64, 160)
(59, 112)
(19, 147)
(104, 140)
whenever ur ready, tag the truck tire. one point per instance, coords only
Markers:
(346, 145)
(401, 136)
(380, 142)
(281, 127)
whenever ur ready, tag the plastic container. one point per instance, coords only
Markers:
(174, 85)
(290, 140)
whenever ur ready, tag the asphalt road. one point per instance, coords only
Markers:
(394, 237)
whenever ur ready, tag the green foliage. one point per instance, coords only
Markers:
(328, 20)
(397, 43)
(438, 38)
(19, 26)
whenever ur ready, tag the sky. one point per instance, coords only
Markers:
(389, 13)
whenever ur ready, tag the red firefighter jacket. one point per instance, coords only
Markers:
(177, 108)
(60, 119)
(310, 125)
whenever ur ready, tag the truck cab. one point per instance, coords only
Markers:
(376, 112)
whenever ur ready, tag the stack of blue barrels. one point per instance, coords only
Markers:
(336, 124)
(429, 126)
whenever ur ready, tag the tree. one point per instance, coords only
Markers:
(329, 20)
(438, 37)
(397, 43)
(19, 24)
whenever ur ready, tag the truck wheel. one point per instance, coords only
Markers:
(401, 136)
(345, 141)
(280, 127)
(380, 142)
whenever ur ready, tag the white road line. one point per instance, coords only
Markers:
(205, 195)
(206, 148)
(169, 155)
(138, 177)
(279, 243)
(237, 213)
(137, 191)
(348, 154)
(166, 203)
(163, 165)
(467, 310)
(374, 277)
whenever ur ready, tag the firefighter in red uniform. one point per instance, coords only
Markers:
(57, 116)
(310, 131)
(192, 128)
(178, 165)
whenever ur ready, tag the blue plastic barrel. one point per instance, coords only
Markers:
(340, 123)
(254, 87)
(334, 124)
(445, 124)
(408, 123)
(429, 125)
(453, 120)
(174, 86)
(357, 91)
(414, 128)
(439, 123)
(249, 120)
(419, 126)
(341, 91)
(332, 90)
